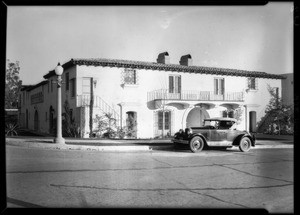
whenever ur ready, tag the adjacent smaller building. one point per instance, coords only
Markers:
(287, 86)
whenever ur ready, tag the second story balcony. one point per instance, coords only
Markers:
(188, 95)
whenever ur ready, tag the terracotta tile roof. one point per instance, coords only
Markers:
(165, 67)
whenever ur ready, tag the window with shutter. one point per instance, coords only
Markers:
(219, 86)
(174, 84)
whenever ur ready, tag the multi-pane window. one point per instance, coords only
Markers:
(72, 83)
(86, 85)
(67, 81)
(129, 76)
(252, 83)
(167, 120)
(174, 84)
(229, 114)
(219, 86)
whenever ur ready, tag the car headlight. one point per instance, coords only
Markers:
(188, 131)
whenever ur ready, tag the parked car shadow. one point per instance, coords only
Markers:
(186, 149)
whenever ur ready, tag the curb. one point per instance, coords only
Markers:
(115, 148)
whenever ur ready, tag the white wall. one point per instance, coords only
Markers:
(134, 98)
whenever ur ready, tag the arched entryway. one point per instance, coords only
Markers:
(196, 116)
(26, 118)
(51, 116)
(252, 121)
(36, 120)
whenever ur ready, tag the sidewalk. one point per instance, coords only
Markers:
(263, 141)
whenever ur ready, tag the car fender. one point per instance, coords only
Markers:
(237, 140)
(199, 135)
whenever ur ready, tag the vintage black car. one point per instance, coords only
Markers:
(219, 132)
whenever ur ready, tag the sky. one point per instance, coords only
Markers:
(253, 38)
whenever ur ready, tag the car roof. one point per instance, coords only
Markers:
(220, 119)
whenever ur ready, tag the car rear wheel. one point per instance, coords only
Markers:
(245, 144)
(196, 144)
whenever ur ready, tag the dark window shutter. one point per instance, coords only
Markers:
(160, 120)
(256, 83)
(216, 86)
(179, 84)
(222, 86)
(167, 120)
(171, 84)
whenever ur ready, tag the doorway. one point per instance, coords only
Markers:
(27, 118)
(131, 124)
(36, 120)
(51, 116)
(252, 121)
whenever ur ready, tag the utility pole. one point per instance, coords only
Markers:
(91, 107)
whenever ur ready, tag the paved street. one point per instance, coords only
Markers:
(261, 178)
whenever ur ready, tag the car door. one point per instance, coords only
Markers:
(219, 135)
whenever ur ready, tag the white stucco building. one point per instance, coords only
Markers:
(185, 92)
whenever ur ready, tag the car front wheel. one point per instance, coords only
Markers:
(196, 144)
(245, 144)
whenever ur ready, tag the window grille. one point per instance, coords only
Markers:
(252, 83)
(129, 76)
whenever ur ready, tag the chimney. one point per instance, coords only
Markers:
(163, 58)
(186, 60)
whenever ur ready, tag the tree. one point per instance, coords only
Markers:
(106, 125)
(70, 128)
(102, 124)
(281, 115)
(12, 84)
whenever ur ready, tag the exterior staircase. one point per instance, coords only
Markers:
(84, 101)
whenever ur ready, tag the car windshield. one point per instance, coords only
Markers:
(218, 124)
(211, 123)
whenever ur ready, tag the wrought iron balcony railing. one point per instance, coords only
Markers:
(188, 95)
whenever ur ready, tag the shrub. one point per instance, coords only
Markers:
(11, 129)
